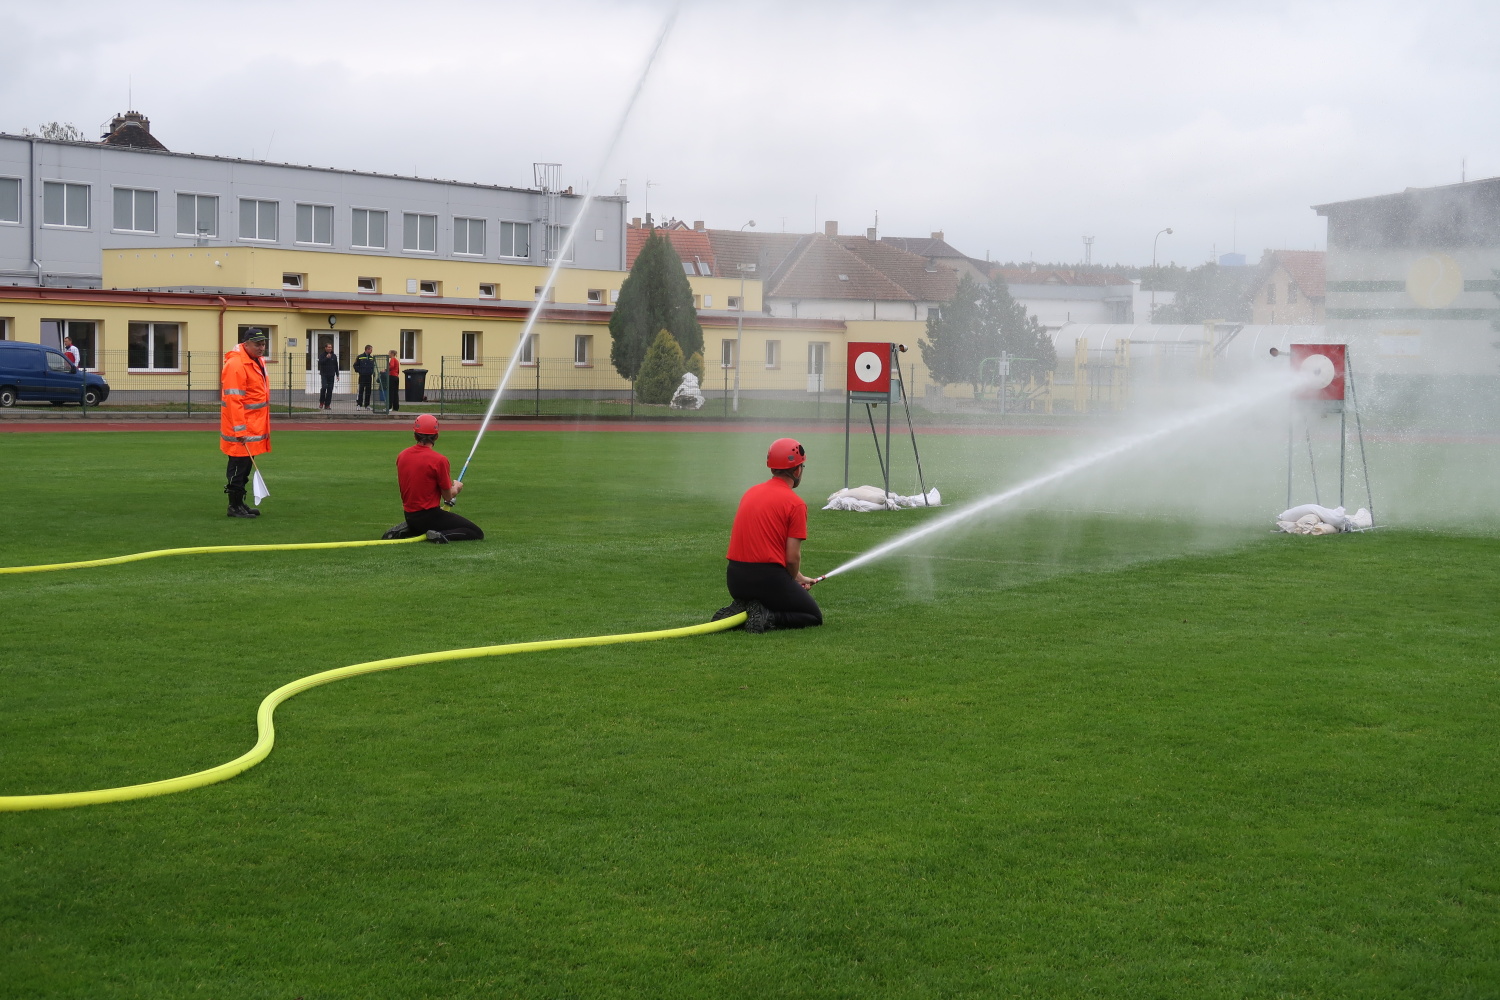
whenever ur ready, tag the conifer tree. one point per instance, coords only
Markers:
(655, 296)
(662, 370)
(1016, 332)
(956, 341)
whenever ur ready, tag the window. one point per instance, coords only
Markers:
(1270, 295)
(515, 239)
(65, 205)
(1291, 295)
(153, 346)
(82, 333)
(597, 296)
(469, 347)
(10, 199)
(708, 301)
(468, 237)
(726, 354)
(430, 287)
(488, 291)
(198, 215)
(583, 350)
(528, 350)
(773, 354)
(736, 303)
(294, 281)
(410, 341)
(369, 229)
(697, 302)
(419, 233)
(4, 328)
(258, 219)
(536, 293)
(370, 286)
(935, 312)
(135, 211)
(598, 236)
(556, 237)
(315, 224)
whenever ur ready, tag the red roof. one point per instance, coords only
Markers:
(1306, 269)
(691, 245)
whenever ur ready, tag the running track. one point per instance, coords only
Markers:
(206, 427)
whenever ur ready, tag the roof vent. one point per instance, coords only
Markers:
(843, 277)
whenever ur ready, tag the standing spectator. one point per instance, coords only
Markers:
(328, 371)
(393, 380)
(364, 367)
(245, 416)
(71, 350)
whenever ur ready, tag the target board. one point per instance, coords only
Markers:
(1323, 364)
(869, 367)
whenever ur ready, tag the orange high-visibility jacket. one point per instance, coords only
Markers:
(245, 410)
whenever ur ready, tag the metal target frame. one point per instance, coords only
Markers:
(1332, 365)
(876, 389)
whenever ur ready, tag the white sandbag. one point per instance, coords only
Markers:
(1360, 521)
(867, 498)
(1334, 516)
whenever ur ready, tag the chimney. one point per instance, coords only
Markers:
(698, 226)
(870, 233)
(938, 235)
(830, 229)
(635, 223)
(131, 129)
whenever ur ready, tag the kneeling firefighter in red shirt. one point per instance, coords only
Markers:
(765, 549)
(426, 485)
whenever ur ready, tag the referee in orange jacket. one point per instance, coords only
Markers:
(765, 549)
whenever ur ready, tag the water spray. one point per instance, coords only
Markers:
(567, 243)
(1270, 389)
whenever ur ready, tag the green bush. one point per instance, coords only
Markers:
(661, 371)
(695, 365)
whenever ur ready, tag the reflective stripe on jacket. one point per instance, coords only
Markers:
(244, 410)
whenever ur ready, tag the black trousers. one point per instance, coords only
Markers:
(773, 586)
(238, 475)
(453, 527)
(364, 391)
(390, 385)
(325, 394)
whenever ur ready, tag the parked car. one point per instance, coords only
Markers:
(44, 374)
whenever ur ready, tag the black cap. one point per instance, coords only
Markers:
(256, 333)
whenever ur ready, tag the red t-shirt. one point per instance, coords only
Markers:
(392, 367)
(423, 475)
(769, 514)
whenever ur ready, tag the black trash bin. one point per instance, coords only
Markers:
(416, 385)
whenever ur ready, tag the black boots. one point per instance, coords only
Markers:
(240, 510)
(437, 538)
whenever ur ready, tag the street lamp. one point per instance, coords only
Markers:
(1154, 275)
(739, 325)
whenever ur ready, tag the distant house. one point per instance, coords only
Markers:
(1059, 296)
(1289, 288)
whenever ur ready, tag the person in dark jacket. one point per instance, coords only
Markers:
(328, 370)
(364, 367)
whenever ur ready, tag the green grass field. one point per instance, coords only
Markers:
(1068, 754)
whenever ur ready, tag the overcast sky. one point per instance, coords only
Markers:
(1016, 128)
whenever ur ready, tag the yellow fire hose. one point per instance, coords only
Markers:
(264, 716)
(201, 550)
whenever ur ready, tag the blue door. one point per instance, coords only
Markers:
(63, 381)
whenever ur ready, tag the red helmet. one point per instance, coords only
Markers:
(426, 424)
(785, 453)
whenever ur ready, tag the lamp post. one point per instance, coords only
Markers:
(1154, 275)
(739, 324)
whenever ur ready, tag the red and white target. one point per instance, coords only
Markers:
(1323, 365)
(869, 367)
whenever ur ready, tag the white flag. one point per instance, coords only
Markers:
(258, 487)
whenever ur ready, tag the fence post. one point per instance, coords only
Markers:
(442, 385)
(539, 386)
(289, 383)
(189, 383)
(632, 399)
(726, 390)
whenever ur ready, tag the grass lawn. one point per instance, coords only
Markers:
(1071, 754)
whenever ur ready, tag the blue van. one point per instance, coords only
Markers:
(44, 374)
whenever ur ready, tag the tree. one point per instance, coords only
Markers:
(955, 344)
(695, 365)
(662, 370)
(982, 321)
(66, 131)
(1018, 333)
(655, 296)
